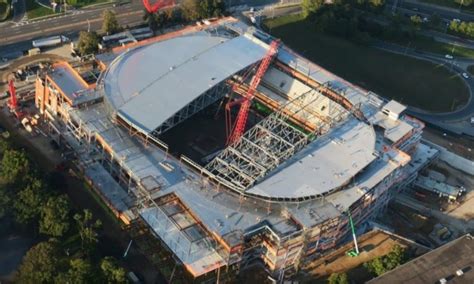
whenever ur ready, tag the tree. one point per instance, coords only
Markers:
(40, 264)
(14, 165)
(173, 16)
(377, 3)
(380, 265)
(154, 20)
(88, 43)
(3, 146)
(338, 278)
(311, 6)
(4, 203)
(54, 216)
(395, 257)
(87, 229)
(28, 202)
(464, 3)
(80, 271)
(200, 9)
(416, 21)
(112, 272)
(190, 9)
(110, 24)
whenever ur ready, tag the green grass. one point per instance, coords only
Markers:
(414, 82)
(34, 10)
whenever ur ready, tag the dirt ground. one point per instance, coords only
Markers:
(371, 245)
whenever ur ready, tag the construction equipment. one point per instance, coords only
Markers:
(13, 103)
(353, 252)
(239, 127)
(157, 6)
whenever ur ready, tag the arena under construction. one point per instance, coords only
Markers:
(150, 135)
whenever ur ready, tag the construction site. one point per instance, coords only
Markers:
(231, 148)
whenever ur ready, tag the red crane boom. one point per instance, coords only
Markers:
(13, 102)
(157, 6)
(245, 102)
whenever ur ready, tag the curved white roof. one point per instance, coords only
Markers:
(324, 165)
(149, 84)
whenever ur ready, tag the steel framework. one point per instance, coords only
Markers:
(209, 97)
(241, 121)
(266, 145)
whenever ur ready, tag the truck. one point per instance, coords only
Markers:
(50, 41)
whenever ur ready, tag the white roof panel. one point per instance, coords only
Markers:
(394, 107)
(324, 165)
(149, 84)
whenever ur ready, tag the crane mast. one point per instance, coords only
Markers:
(241, 120)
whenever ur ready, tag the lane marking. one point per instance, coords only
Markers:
(63, 27)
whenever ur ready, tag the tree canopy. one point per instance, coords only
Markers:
(54, 216)
(4, 202)
(88, 43)
(40, 264)
(462, 28)
(87, 229)
(29, 201)
(380, 265)
(311, 6)
(338, 278)
(155, 20)
(110, 24)
(113, 273)
(80, 271)
(201, 9)
(14, 165)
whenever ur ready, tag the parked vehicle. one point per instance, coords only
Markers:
(50, 41)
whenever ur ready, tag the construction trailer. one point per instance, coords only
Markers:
(279, 193)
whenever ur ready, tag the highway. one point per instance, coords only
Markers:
(18, 37)
(416, 7)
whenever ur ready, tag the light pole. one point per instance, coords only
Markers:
(406, 49)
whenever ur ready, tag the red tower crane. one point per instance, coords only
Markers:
(158, 5)
(241, 120)
(13, 103)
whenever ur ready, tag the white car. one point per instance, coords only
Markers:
(448, 56)
(465, 75)
(472, 120)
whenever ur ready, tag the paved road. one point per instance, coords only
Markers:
(456, 121)
(19, 7)
(417, 7)
(17, 37)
